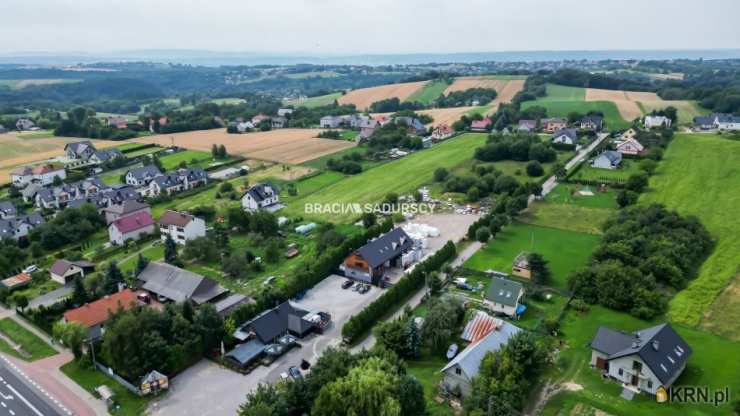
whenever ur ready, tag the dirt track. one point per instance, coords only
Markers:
(363, 97)
(283, 145)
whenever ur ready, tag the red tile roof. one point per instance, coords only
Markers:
(175, 218)
(133, 222)
(16, 280)
(97, 312)
(480, 124)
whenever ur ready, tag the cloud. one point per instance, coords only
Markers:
(366, 26)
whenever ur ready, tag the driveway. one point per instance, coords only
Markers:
(551, 182)
(50, 298)
(209, 389)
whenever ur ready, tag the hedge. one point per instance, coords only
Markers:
(412, 282)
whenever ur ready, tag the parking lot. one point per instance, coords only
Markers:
(208, 389)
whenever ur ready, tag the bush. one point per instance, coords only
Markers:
(579, 305)
(482, 234)
(534, 169)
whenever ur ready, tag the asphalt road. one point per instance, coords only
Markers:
(18, 398)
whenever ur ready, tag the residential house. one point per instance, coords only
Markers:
(283, 112)
(630, 147)
(657, 121)
(117, 122)
(607, 160)
(595, 123)
(123, 209)
(7, 210)
(181, 227)
(630, 133)
(192, 177)
(167, 184)
(81, 150)
(415, 126)
(527, 125)
(367, 128)
(24, 124)
(704, 123)
(244, 126)
(261, 196)
(174, 284)
(279, 122)
(330, 122)
(504, 296)
(726, 122)
(95, 315)
(105, 155)
(460, 371)
(64, 271)
(481, 125)
(40, 174)
(565, 136)
(646, 360)
(29, 192)
(442, 131)
(286, 318)
(259, 118)
(131, 227)
(551, 125)
(142, 176)
(18, 228)
(370, 262)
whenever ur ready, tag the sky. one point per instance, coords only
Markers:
(326, 27)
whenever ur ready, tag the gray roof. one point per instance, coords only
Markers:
(141, 172)
(703, 121)
(571, 133)
(272, 323)
(470, 358)
(178, 284)
(259, 193)
(725, 118)
(504, 291)
(108, 154)
(8, 208)
(126, 207)
(79, 147)
(167, 181)
(247, 352)
(228, 303)
(386, 247)
(660, 347)
(411, 122)
(61, 266)
(593, 119)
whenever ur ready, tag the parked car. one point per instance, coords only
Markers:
(347, 284)
(270, 280)
(295, 373)
(356, 287)
(31, 269)
(452, 351)
(364, 289)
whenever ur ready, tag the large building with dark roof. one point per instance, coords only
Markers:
(644, 360)
(370, 262)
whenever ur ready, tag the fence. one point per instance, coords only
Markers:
(122, 381)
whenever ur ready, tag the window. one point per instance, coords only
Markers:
(650, 384)
(620, 371)
(637, 366)
(458, 371)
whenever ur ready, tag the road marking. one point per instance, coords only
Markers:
(4, 397)
(23, 399)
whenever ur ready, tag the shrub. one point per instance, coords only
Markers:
(534, 169)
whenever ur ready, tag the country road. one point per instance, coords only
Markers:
(552, 182)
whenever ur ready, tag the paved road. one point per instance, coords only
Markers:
(552, 182)
(20, 397)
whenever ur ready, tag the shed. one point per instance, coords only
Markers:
(153, 382)
(246, 353)
(521, 266)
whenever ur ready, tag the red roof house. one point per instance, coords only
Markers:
(94, 315)
(131, 227)
(480, 125)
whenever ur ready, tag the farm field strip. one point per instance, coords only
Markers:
(363, 97)
(700, 175)
(429, 93)
(466, 83)
(317, 101)
(283, 145)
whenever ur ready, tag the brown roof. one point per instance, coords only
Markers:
(175, 218)
(16, 280)
(91, 314)
(133, 222)
(61, 266)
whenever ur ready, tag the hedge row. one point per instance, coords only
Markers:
(412, 282)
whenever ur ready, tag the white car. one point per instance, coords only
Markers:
(31, 269)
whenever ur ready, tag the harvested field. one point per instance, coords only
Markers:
(283, 145)
(363, 97)
(466, 83)
(441, 115)
(15, 150)
(626, 101)
(507, 92)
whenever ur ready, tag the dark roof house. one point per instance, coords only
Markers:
(178, 284)
(275, 322)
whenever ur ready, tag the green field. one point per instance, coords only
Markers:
(431, 91)
(627, 168)
(562, 100)
(19, 84)
(318, 101)
(563, 93)
(35, 347)
(700, 175)
(88, 378)
(400, 176)
(568, 194)
(312, 184)
(564, 250)
(566, 217)
(572, 365)
(193, 158)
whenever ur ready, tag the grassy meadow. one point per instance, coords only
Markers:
(431, 91)
(317, 101)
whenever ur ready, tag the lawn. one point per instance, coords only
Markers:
(400, 176)
(193, 158)
(317, 101)
(311, 184)
(128, 403)
(567, 194)
(700, 175)
(564, 250)
(620, 175)
(431, 91)
(563, 93)
(36, 347)
(562, 108)
(426, 370)
(141, 152)
(566, 217)
(703, 369)
(320, 163)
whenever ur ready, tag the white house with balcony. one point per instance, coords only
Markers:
(181, 227)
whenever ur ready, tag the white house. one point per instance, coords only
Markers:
(181, 227)
(41, 174)
(645, 360)
(132, 227)
(657, 121)
(260, 196)
(142, 176)
(460, 371)
(168, 184)
(504, 296)
(630, 147)
(330, 122)
(19, 227)
(24, 124)
(565, 136)
(8, 210)
(124, 209)
(607, 160)
(726, 122)
(64, 271)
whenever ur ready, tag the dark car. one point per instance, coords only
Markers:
(295, 373)
(347, 284)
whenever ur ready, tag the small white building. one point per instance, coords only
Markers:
(132, 227)
(260, 196)
(657, 121)
(181, 227)
(645, 360)
(630, 147)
